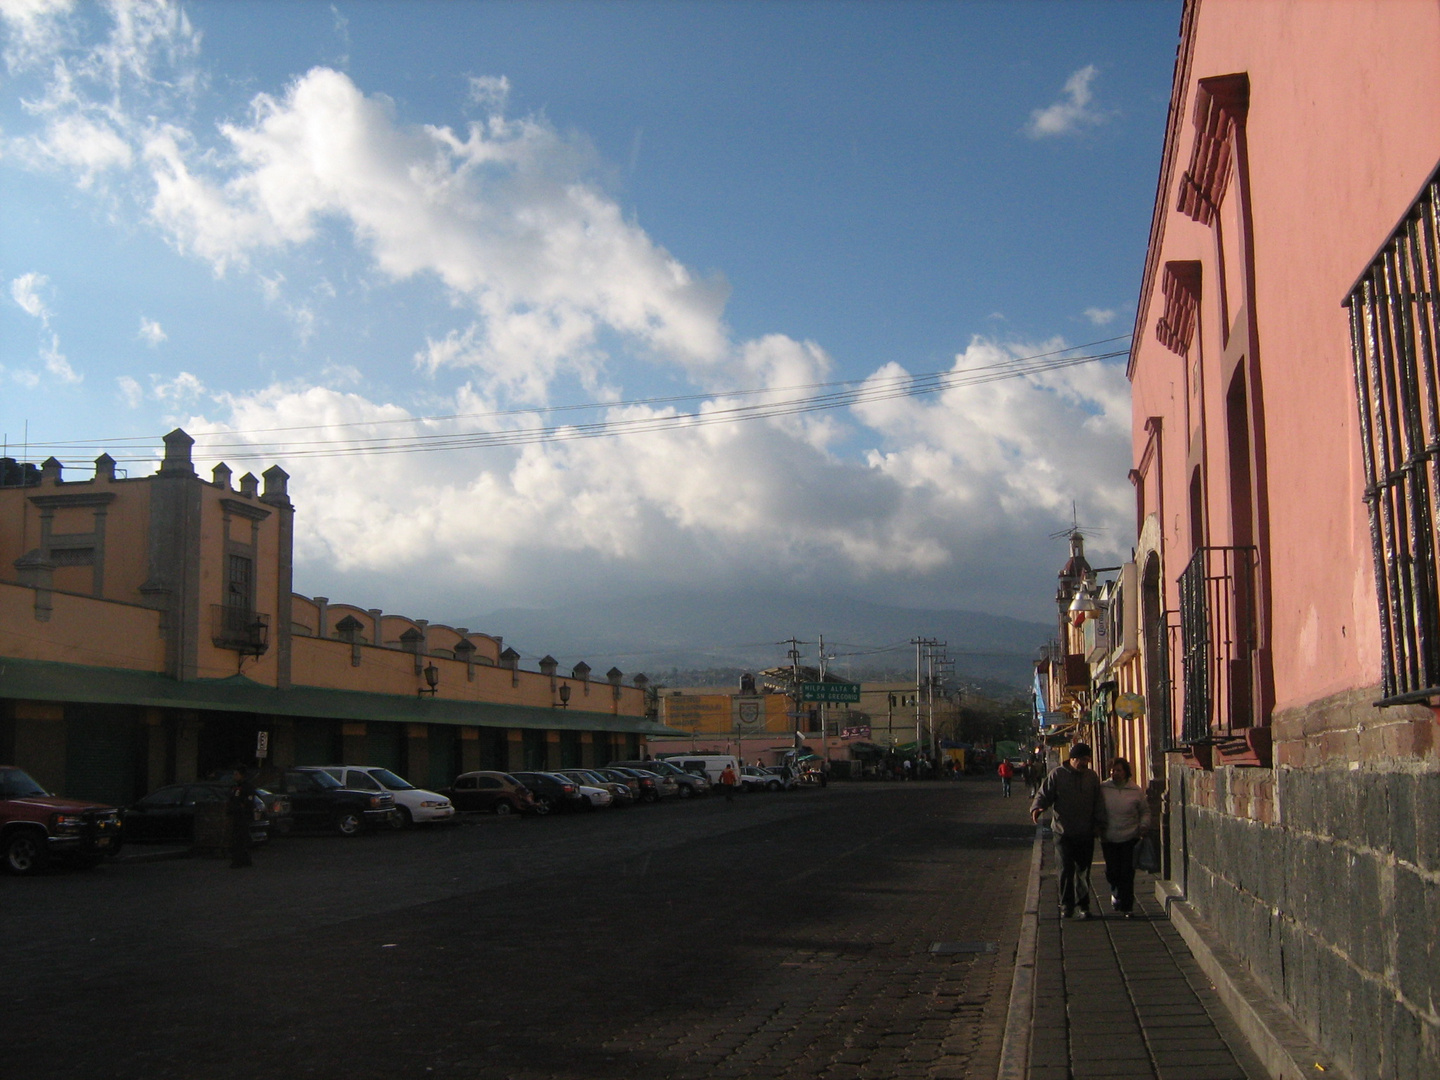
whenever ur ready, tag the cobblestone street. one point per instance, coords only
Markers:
(783, 936)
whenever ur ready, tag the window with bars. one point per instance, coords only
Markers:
(238, 578)
(1217, 641)
(1394, 329)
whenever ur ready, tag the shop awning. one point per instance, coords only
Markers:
(43, 680)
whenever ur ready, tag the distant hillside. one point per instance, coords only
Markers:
(667, 636)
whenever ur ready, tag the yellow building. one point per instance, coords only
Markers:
(149, 634)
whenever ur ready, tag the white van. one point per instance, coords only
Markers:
(712, 765)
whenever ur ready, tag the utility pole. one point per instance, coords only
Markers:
(794, 655)
(824, 705)
(925, 688)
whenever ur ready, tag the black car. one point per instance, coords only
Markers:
(169, 813)
(555, 792)
(319, 801)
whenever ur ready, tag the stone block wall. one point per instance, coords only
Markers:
(1324, 873)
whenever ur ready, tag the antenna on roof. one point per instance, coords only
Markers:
(1075, 529)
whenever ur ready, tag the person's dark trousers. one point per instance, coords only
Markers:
(1075, 853)
(1005, 786)
(239, 843)
(1120, 872)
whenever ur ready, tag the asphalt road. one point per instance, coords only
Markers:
(786, 935)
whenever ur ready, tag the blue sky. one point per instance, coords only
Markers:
(292, 226)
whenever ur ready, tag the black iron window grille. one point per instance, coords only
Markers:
(1165, 731)
(1394, 328)
(1217, 641)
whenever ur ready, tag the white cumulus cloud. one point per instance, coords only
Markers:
(1074, 110)
(151, 332)
(25, 291)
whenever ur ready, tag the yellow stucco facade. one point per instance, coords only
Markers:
(149, 632)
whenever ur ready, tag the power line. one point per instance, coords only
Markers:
(237, 446)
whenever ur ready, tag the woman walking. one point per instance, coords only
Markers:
(1128, 811)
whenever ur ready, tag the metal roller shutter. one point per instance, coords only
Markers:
(317, 742)
(101, 754)
(385, 746)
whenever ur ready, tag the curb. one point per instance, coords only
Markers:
(1015, 1049)
(1285, 1051)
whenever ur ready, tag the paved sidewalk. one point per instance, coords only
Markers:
(1123, 999)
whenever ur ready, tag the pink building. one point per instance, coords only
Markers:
(1286, 471)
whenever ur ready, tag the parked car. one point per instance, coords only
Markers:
(754, 778)
(277, 809)
(168, 813)
(620, 794)
(493, 793)
(413, 806)
(637, 793)
(664, 784)
(555, 793)
(687, 783)
(36, 826)
(781, 773)
(596, 798)
(318, 800)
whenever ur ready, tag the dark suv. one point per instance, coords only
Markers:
(318, 800)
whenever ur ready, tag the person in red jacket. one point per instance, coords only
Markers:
(728, 780)
(1007, 773)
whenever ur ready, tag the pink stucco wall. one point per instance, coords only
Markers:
(1343, 127)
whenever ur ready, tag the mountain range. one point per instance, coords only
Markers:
(666, 634)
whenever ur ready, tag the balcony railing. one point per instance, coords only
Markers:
(238, 628)
(1217, 641)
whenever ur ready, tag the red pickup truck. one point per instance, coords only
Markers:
(36, 826)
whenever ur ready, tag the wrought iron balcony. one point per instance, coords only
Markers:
(1217, 641)
(239, 628)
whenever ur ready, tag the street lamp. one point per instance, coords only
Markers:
(564, 696)
(432, 680)
(1083, 606)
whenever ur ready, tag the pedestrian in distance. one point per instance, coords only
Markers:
(1034, 774)
(1007, 772)
(240, 809)
(1127, 811)
(1072, 791)
(728, 780)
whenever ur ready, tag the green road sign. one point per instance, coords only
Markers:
(830, 691)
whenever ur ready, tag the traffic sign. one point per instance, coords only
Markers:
(830, 691)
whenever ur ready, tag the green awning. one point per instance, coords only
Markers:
(43, 680)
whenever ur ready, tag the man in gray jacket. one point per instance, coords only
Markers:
(1073, 790)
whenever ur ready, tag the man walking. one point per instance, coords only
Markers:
(1073, 791)
(728, 780)
(1006, 771)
